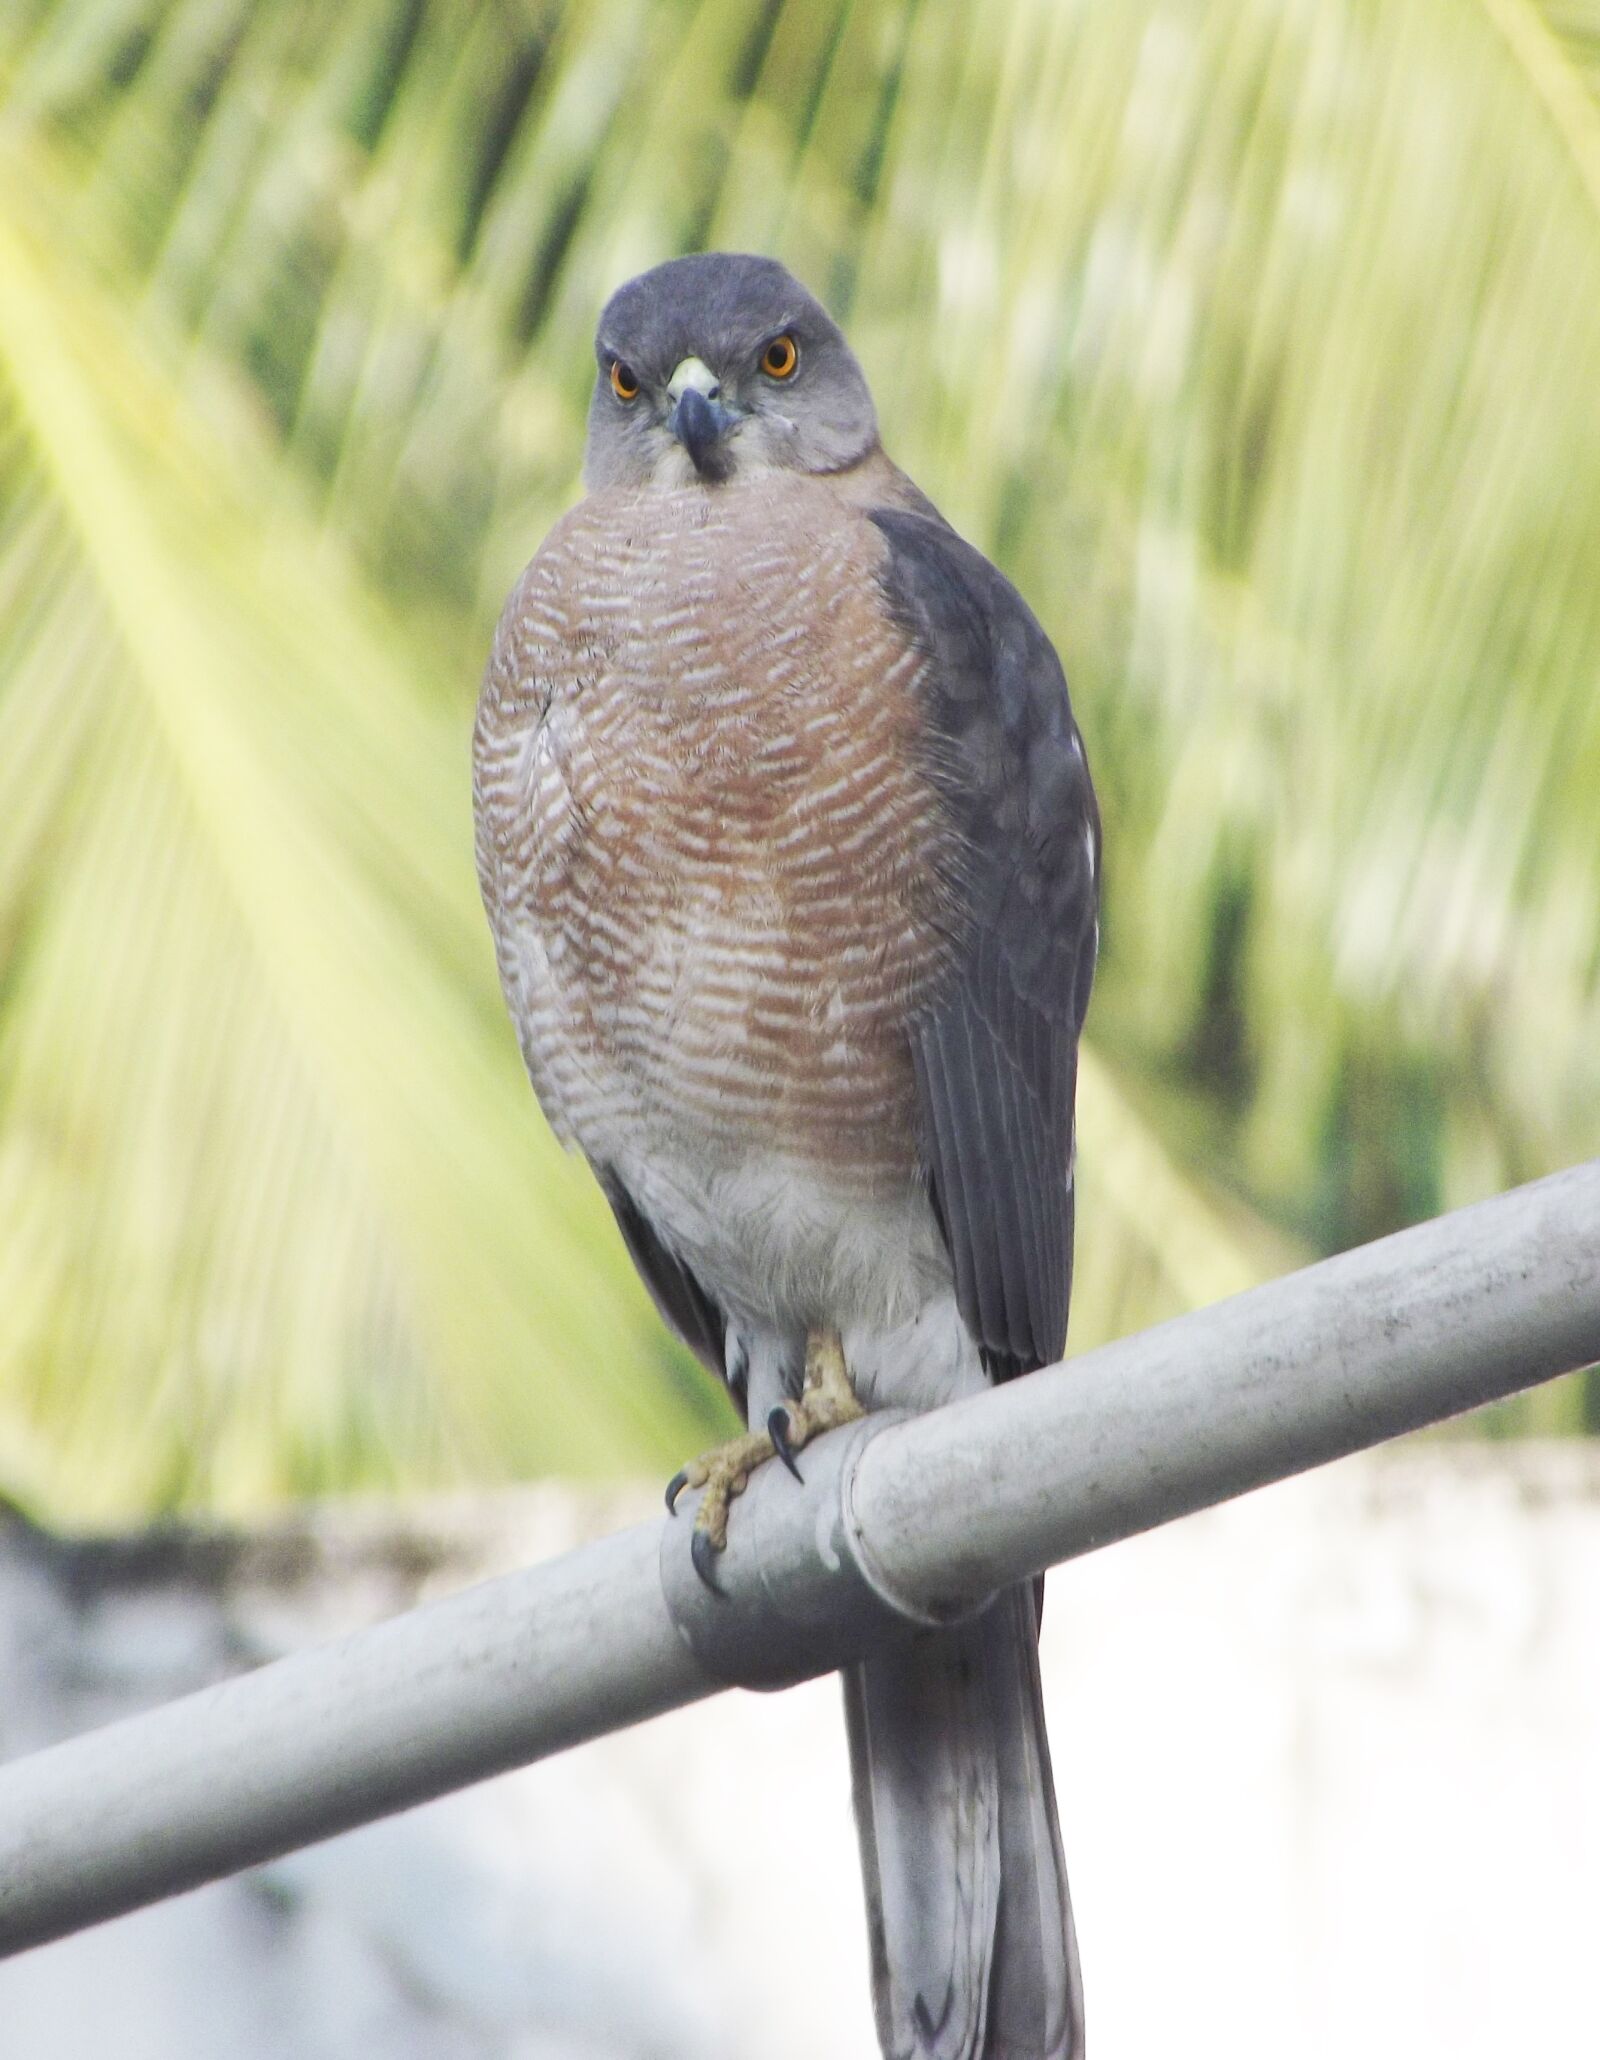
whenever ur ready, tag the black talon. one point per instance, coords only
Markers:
(704, 1555)
(778, 1432)
(675, 1487)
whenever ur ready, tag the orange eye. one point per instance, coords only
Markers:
(623, 384)
(780, 357)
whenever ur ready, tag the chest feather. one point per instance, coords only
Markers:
(701, 760)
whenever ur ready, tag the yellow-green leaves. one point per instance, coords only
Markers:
(1259, 339)
(277, 1209)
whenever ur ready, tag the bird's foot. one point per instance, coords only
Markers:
(826, 1401)
(723, 1473)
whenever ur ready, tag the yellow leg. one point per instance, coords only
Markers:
(722, 1472)
(826, 1401)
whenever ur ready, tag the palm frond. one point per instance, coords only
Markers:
(278, 1208)
(1259, 341)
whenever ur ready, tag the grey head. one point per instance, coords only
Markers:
(717, 366)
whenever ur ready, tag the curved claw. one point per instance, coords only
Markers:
(675, 1487)
(704, 1555)
(778, 1432)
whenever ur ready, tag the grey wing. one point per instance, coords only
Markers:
(996, 1053)
(686, 1306)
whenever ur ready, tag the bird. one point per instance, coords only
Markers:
(791, 856)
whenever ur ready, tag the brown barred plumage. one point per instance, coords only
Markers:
(710, 844)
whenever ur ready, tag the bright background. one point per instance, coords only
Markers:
(1326, 1763)
(1259, 342)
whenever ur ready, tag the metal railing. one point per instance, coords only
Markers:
(900, 1521)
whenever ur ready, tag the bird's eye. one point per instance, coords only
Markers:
(623, 382)
(780, 357)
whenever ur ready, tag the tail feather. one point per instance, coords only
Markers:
(973, 1952)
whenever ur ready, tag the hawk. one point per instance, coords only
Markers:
(791, 857)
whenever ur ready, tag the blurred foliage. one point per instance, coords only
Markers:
(1260, 342)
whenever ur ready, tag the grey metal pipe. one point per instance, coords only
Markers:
(896, 1523)
(1380, 1340)
(501, 1674)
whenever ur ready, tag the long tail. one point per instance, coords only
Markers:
(973, 1951)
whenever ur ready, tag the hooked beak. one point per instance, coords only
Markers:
(699, 420)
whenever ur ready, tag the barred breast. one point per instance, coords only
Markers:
(714, 862)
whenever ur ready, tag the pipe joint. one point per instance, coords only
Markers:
(799, 1592)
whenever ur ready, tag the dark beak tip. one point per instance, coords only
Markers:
(699, 425)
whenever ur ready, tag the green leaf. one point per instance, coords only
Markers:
(276, 1210)
(1259, 341)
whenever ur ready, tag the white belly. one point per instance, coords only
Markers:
(786, 1251)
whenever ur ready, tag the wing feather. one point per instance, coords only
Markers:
(995, 1051)
(678, 1294)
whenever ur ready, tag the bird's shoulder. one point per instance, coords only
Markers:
(1004, 742)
